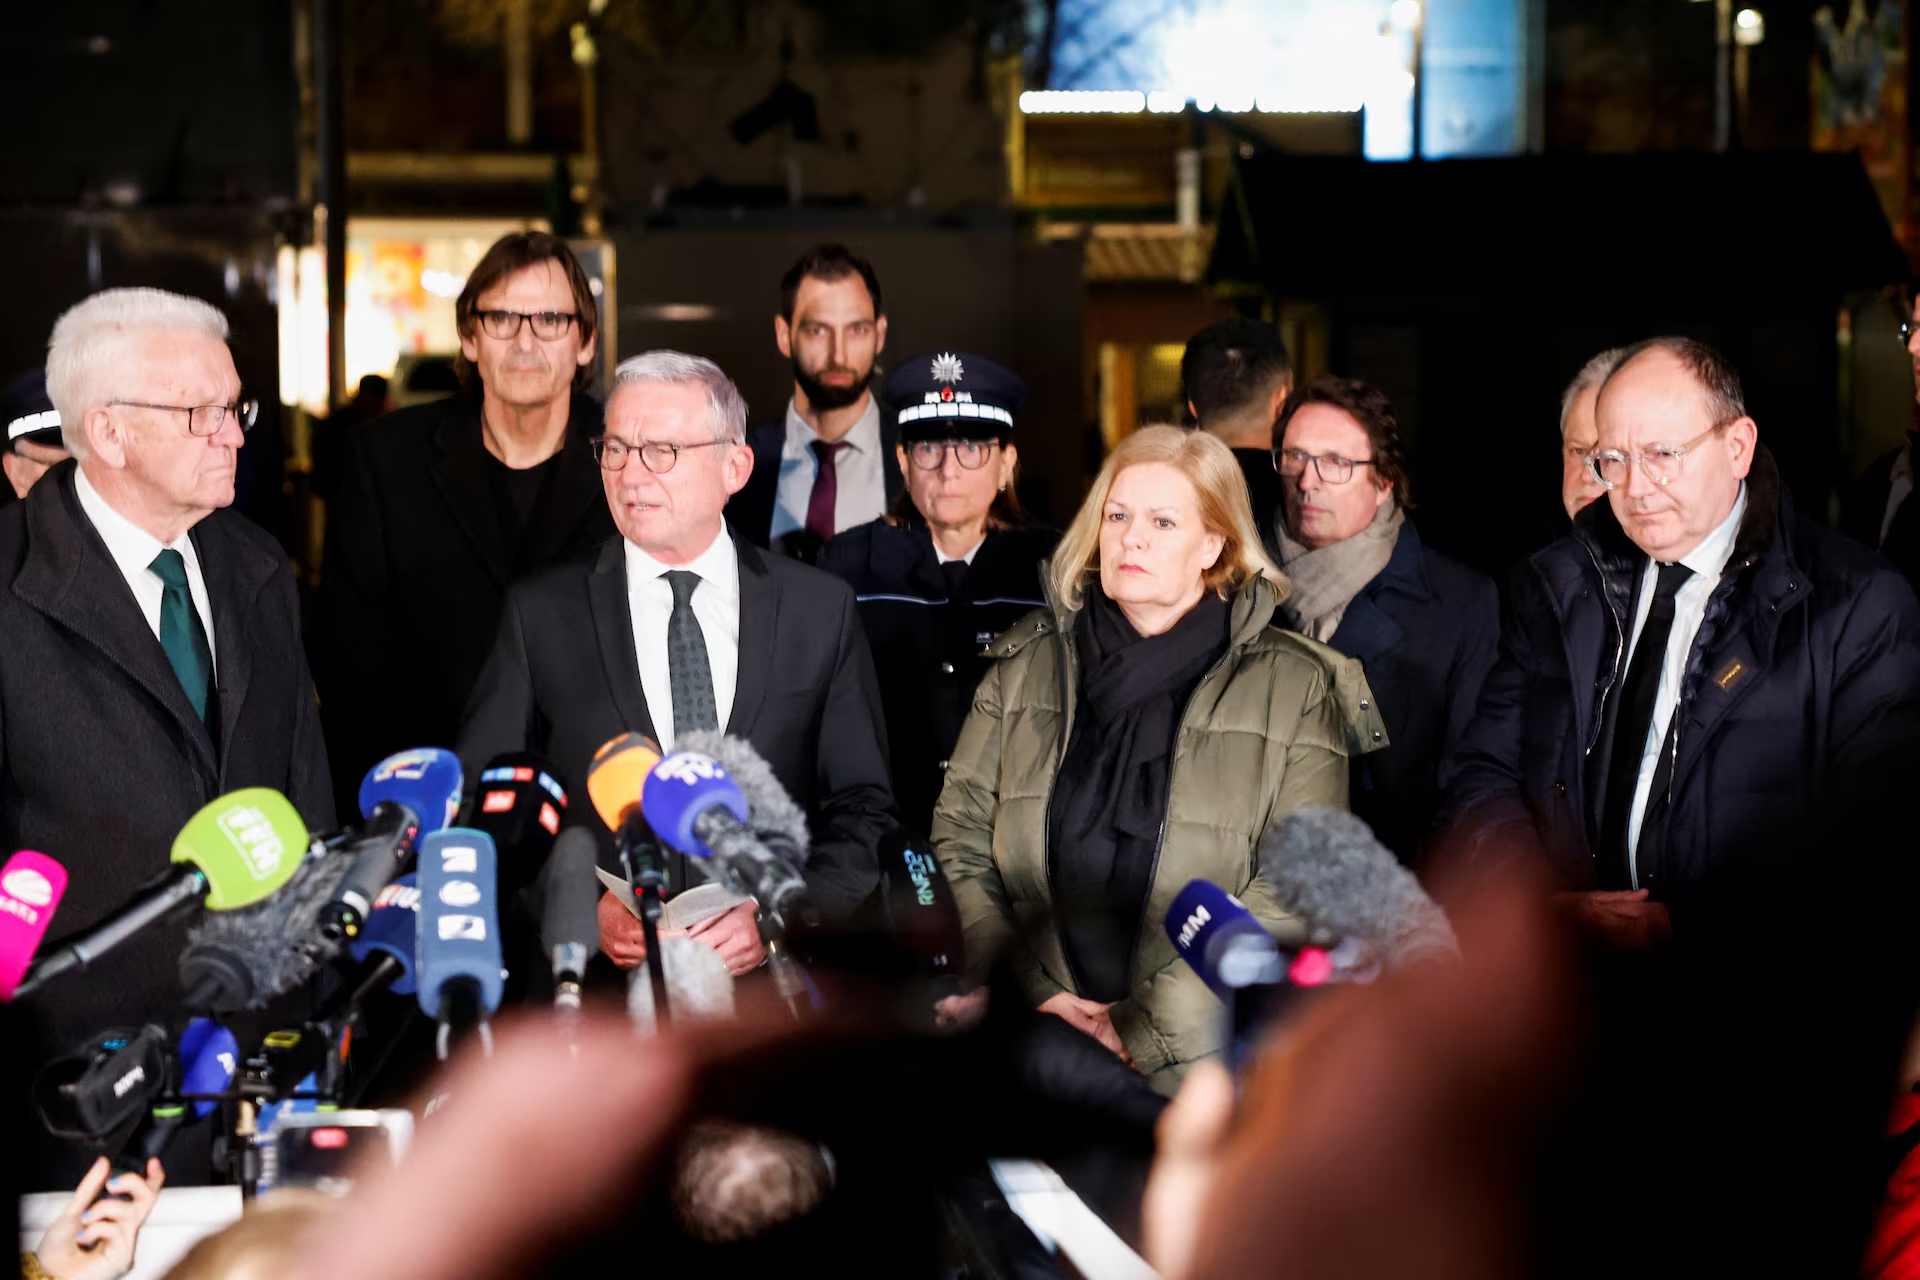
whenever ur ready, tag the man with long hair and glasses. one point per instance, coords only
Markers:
(441, 506)
(1878, 510)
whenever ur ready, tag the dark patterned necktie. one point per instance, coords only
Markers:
(181, 633)
(1634, 723)
(826, 489)
(688, 673)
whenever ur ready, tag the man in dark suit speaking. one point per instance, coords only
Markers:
(152, 638)
(679, 624)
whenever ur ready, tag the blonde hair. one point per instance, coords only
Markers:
(269, 1240)
(1225, 509)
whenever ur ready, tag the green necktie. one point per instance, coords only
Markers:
(181, 634)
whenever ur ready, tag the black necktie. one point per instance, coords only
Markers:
(688, 675)
(1631, 727)
(955, 572)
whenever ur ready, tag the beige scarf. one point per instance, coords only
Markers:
(1326, 581)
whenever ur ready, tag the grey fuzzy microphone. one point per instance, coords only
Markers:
(771, 812)
(699, 988)
(1327, 867)
(242, 959)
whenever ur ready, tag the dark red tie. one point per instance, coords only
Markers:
(826, 489)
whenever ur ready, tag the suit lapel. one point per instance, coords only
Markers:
(759, 614)
(575, 492)
(613, 630)
(234, 579)
(460, 472)
(69, 577)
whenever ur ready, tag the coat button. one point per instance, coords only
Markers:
(1364, 704)
(1560, 789)
(943, 766)
(946, 668)
(1376, 735)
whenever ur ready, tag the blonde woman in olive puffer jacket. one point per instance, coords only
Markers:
(1146, 729)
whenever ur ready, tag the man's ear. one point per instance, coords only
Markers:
(737, 469)
(880, 335)
(1278, 401)
(1192, 412)
(1743, 437)
(12, 463)
(783, 336)
(105, 438)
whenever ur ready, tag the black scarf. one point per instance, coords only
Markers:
(1110, 798)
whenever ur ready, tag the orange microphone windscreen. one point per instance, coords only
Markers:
(617, 772)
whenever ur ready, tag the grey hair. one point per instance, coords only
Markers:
(1592, 374)
(1718, 380)
(726, 409)
(90, 344)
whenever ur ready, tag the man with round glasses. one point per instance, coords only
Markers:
(441, 506)
(678, 623)
(152, 636)
(1423, 625)
(950, 566)
(1697, 679)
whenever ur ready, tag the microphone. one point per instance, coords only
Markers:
(385, 948)
(233, 853)
(1327, 866)
(916, 902)
(699, 988)
(88, 1095)
(615, 777)
(771, 812)
(457, 942)
(243, 959)
(520, 803)
(570, 924)
(402, 797)
(1222, 941)
(697, 809)
(31, 886)
(207, 1057)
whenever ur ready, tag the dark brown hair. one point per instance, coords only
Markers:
(1367, 405)
(828, 262)
(510, 255)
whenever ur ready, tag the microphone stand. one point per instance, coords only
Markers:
(647, 873)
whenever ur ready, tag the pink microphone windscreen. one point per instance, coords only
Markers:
(30, 889)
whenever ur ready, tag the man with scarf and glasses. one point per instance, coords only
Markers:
(1425, 627)
(828, 464)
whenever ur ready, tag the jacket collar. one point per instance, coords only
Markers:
(1252, 609)
(460, 469)
(1367, 629)
(68, 576)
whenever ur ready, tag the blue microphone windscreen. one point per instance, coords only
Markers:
(391, 928)
(209, 1056)
(458, 929)
(1202, 920)
(681, 788)
(426, 780)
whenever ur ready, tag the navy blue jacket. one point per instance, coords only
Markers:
(1426, 629)
(1801, 693)
(929, 648)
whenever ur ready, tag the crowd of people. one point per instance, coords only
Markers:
(1644, 772)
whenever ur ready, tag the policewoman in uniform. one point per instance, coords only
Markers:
(951, 565)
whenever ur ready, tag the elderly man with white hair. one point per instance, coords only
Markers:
(681, 623)
(152, 640)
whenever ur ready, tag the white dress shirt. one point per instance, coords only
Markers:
(133, 550)
(972, 551)
(716, 607)
(859, 469)
(1708, 561)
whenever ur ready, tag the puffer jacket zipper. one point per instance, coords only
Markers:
(1059, 763)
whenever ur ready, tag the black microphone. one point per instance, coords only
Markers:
(1328, 868)
(521, 802)
(243, 959)
(570, 923)
(87, 1095)
(917, 906)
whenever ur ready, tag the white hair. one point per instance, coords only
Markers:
(726, 410)
(90, 345)
(1592, 374)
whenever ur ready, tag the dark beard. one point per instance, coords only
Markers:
(821, 396)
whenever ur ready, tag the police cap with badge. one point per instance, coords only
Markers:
(28, 414)
(953, 395)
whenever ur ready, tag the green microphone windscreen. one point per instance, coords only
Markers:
(247, 844)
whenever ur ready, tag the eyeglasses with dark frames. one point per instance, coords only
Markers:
(931, 455)
(505, 325)
(204, 419)
(656, 456)
(1330, 467)
(1660, 463)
